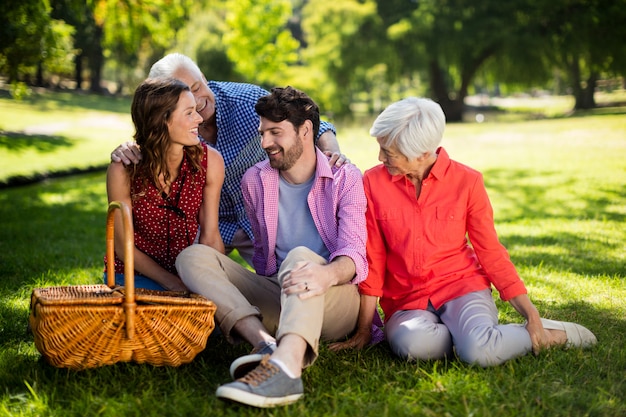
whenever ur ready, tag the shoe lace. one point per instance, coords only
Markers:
(264, 371)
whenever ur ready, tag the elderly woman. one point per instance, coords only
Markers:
(434, 254)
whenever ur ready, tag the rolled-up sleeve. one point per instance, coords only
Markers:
(351, 229)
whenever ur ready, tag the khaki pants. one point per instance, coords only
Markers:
(238, 293)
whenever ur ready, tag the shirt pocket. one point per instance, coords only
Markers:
(389, 220)
(450, 224)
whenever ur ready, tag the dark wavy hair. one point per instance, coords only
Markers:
(289, 104)
(153, 103)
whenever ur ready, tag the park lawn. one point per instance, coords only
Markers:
(557, 187)
(51, 133)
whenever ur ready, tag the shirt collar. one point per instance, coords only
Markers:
(441, 164)
(438, 170)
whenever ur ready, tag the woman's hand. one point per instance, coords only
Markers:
(176, 285)
(361, 338)
(538, 336)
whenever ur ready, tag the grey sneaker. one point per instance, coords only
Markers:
(241, 366)
(265, 386)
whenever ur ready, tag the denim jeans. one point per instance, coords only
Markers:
(141, 281)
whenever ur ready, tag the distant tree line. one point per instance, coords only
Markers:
(346, 53)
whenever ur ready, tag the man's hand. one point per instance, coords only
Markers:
(127, 153)
(337, 159)
(308, 279)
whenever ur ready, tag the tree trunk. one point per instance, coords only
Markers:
(454, 107)
(96, 61)
(585, 98)
(39, 76)
(78, 71)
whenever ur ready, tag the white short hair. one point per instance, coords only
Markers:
(167, 66)
(414, 125)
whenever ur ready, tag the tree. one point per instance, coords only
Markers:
(346, 44)
(87, 40)
(449, 41)
(258, 40)
(584, 38)
(24, 26)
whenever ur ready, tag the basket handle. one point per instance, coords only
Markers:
(130, 306)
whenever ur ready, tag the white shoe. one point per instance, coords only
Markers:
(577, 335)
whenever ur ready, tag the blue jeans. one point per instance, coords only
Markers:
(141, 281)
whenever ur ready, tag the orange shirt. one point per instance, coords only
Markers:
(418, 249)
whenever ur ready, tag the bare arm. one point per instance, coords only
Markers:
(118, 189)
(526, 308)
(209, 211)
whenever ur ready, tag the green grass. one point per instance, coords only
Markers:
(558, 186)
(49, 133)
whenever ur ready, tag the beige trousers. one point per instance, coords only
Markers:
(238, 293)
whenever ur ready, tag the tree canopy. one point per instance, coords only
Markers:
(349, 53)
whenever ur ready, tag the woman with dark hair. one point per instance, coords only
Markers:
(173, 191)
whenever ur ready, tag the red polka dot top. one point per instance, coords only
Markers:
(166, 224)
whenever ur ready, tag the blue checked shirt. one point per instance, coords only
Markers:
(238, 142)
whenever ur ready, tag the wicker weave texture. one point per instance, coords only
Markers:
(87, 326)
(88, 332)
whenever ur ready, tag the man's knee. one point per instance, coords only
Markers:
(193, 256)
(299, 253)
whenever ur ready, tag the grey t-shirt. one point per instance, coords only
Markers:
(295, 223)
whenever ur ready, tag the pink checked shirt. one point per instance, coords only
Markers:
(337, 203)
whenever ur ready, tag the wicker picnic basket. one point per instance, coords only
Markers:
(87, 326)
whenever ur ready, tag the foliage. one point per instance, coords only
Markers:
(201, 40)
(59, 51)
(24, 26)
(258, 41)
(583, 40)
(136, 30)
(344, 43)
(352, 55)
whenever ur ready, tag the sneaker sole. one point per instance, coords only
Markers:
(255, 400)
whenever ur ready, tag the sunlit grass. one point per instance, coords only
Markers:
(51, 133)
(557, 187)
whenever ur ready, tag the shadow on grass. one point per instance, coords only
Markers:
(51, 229)
(45, 99)
(536, 201)
(18, 142)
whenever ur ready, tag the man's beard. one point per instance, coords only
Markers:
(290, 156)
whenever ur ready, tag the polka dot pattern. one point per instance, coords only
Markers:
(165, 225)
